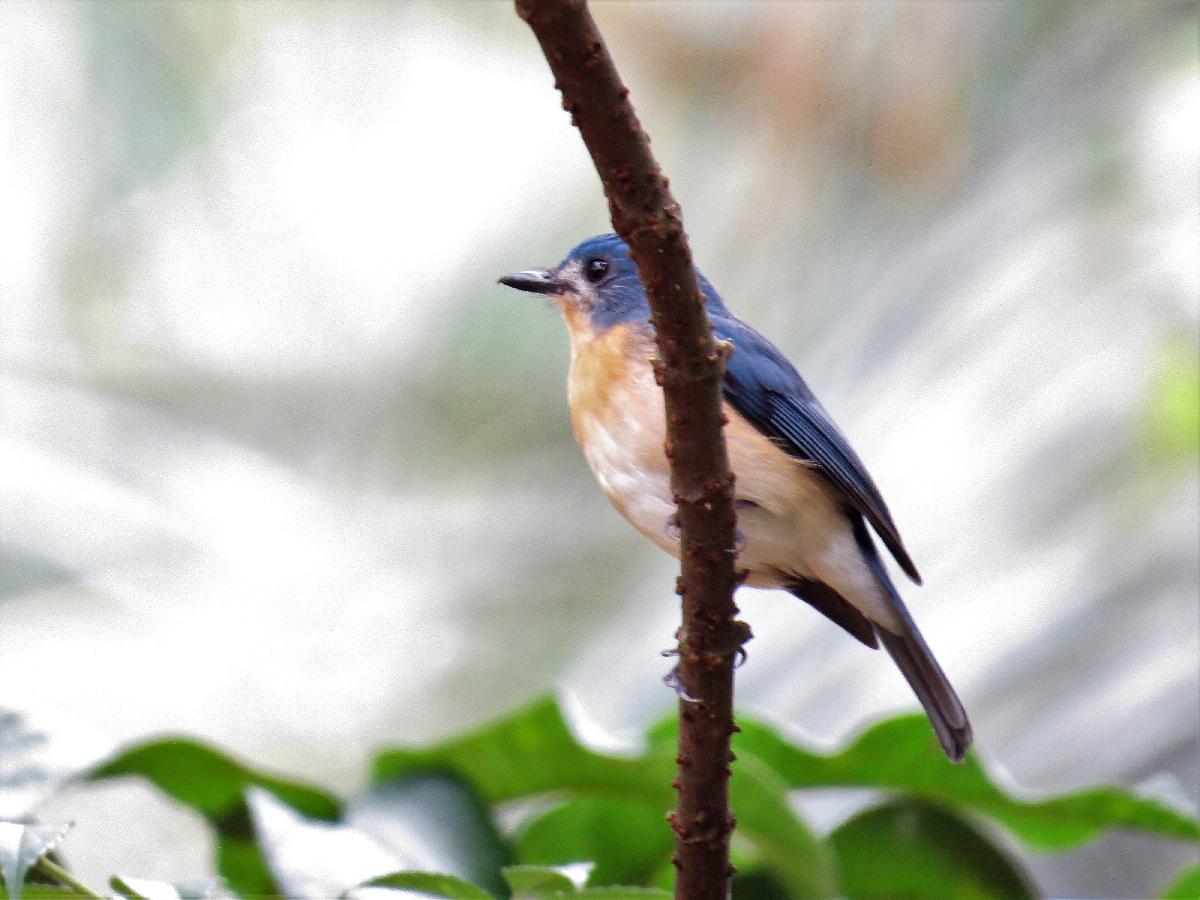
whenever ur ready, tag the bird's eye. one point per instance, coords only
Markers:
(596, 268)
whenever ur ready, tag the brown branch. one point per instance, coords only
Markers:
(690, 366)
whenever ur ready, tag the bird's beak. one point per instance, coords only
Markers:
(536, 281)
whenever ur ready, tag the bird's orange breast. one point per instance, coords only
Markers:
(618, 418)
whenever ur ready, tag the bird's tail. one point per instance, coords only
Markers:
(916, 661)
(932, 688)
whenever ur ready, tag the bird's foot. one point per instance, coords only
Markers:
(672, 528)
(671, 680)
(739, 542)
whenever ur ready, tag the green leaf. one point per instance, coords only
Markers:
(209, 781)
(538, 881)
(911, 849)
(900, 754)
(794, 854)
(143, 889)
(757, 884)
(436, 817)
(533, 753)
(214, 784)
(628, 839)
(432, 884)
(1186, 886)
(240, 861)
(615, 892)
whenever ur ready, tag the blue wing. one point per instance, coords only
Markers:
(764, 387)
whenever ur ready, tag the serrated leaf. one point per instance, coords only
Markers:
(214, 785)
(430, 883)
(23, 845)
(534, 882)
(1186, 886)
(899, 754)
(912, 849)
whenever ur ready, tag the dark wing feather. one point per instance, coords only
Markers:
(834, 607)
(764, 387)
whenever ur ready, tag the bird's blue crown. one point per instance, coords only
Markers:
(614, 292)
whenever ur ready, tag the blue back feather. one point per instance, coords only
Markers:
(759, 383)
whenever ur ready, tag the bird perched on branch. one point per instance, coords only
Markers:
(803, 498)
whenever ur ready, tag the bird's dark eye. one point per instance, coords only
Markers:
(595, 269)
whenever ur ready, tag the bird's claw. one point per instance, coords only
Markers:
(673, 529)
(671, 680)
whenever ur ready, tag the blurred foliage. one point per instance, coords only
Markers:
(579, 823)
(930, 852)
(215, 786)
(906, 170)
(1172, 418)
(1186, 886)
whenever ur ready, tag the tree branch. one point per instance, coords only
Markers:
(690, 367)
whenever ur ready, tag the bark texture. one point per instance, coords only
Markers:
(690, 367)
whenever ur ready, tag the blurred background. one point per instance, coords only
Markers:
(282, 467)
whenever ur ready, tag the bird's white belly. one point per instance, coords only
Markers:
(789, 516)
(641, 493)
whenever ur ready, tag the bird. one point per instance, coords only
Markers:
(805, 503)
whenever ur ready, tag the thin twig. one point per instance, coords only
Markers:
(47, 868)
(690, 367)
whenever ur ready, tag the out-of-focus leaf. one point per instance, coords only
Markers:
(798, 857)
(616, 892)
(1186, 886)
(209, 781)
(530, 882)
(1172, 415)
(533, 753)
(144, 889)
(438, 823)
(214, 785)
(240, 860)
(309, 858)
(430, 883)
(757, 884)
(912, 849)
(628, 839)
(23, 845)
(900, 754)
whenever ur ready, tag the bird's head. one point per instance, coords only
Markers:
(596, 286)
